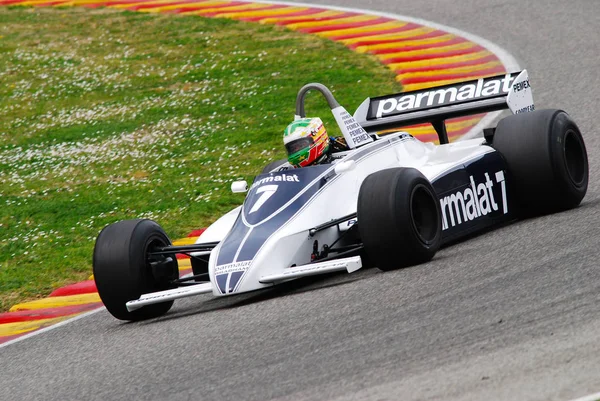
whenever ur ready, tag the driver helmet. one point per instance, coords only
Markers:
(306, 141)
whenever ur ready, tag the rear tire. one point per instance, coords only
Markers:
(399, 218)
(546, 158)
(122, 271)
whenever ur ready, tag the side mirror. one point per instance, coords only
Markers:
(239, 187)
(344, 166)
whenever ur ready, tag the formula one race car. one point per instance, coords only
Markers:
(388, 201)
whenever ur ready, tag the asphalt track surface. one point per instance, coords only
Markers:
(513, 314)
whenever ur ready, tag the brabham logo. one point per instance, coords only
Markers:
(442, 96)
(473, 202)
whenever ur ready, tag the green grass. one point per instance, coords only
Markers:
(107, 115)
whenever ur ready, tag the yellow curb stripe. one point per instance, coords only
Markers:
(362, 29)
(465, 69)
(424, 85)
(33, 2)
(185, 241)
(157, 3)
(81, 2)
(458, 125)
(440, 60)
(265, 13)
(54, 302)
(396, 35)
(405, 43)
(315, 16)
(184, 263)
(440, 50)
(13, 329)
(452, 125)
(176, 6)
(332, 22)
(249, 6)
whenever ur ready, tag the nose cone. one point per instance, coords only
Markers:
(273, 199)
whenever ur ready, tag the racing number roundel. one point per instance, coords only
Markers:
(272, 193)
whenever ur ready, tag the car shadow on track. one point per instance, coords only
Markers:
(298, 286)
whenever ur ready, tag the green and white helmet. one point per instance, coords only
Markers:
(306, 141)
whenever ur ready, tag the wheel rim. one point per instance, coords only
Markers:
(424, 214)
(159, 282)
(574, 157)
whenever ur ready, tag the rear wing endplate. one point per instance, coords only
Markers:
(436, 105)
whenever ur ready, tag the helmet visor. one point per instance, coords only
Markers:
(298, 145)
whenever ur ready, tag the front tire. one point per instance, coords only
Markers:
(546, 158)
(399, 218)
(122, 270)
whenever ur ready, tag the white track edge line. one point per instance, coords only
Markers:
(508, 60)
(591, 397)
(52, 327)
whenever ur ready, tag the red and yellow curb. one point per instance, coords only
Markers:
(421, 57)
(65, 303)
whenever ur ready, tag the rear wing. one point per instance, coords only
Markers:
(436, 105)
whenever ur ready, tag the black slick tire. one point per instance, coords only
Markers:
(546, 158)
(399, 218)
(122, 271)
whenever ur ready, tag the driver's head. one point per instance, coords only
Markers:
(306, 141)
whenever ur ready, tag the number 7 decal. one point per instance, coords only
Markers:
(267, 191)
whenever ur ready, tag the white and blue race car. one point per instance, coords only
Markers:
(388, 201)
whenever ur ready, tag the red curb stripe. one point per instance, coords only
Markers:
(383, 40)
(440, 67)
(448, 42)
(441, 54)
(84, 287)
(48, 313)
(444, 77)
(460, 132)
(407, 27)
(348, 25)
(8, 338)
(196, 233)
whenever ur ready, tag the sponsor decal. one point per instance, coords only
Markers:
(276, 178)
(310, 268)
(347, 225)
(354, 133)
(475, 201)
(525, 109)
(232, 267)
(520, 98)
(519, 86)
(441, 96)
(144, 298)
